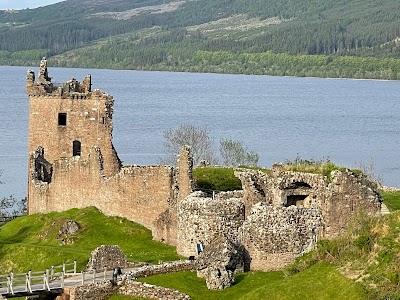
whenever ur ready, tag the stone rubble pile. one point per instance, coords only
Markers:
(219, 260)
(107, 256)
(148, 291)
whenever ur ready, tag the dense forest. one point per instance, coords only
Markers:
(325, 38)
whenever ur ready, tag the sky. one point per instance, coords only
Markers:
(21, 4)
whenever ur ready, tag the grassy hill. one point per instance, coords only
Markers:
(352, 38)
(32, 242)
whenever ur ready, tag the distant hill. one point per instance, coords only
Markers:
(232, 36)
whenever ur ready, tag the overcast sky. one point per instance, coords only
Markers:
(21, 4)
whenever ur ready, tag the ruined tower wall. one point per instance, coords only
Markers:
(86, 120)
(200, 219)
(346, 197)
(275, 236)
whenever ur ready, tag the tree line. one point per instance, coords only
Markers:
(325, 31)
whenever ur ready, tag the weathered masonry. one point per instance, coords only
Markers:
(73, 163)
(278, 216)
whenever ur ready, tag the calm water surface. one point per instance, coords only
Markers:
(347, 121)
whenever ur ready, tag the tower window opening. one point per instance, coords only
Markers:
(76, 148)
(62, 119)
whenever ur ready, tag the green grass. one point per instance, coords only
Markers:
(391, 200)
(216, 178)
(321, 281)
(324, 167)
(31, 242)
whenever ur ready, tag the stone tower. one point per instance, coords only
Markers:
(68, 121)
(73, 163)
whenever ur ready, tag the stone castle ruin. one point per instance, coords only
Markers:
(274, 219)
(73, 163)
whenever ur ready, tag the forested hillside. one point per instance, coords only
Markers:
(285, 37)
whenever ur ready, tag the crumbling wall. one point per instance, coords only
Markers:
(218, 262)
(275, 236)
(92, 291)
(149, 291)
(254, 185)
(166, 224)
(339, 198)
(139, 193)
(347, 196)
(162, 268)
(201, 218)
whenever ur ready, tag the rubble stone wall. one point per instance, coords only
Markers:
(339, 198)
(137, 193)
(347, 196)
(275, 236)
(201, 218)
(93, 291)
(163, 268)
(149, 291)
(107, 256)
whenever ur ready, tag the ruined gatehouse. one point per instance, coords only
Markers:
(276, 218)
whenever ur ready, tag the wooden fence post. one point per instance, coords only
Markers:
(74, 266)
(52, 272)
(62, 280)
(46, 282)
(28, 287)
(9, 285)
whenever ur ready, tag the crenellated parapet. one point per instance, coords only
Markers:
(72, 89)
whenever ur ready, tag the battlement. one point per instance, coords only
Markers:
(72, 89)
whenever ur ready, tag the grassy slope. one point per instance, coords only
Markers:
(321, 281)
(392, 200)
(31, 242)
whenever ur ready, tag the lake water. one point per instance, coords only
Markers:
(351, 122)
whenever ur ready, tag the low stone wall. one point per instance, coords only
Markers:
(148, 291)
(93, 291)
(163, 268)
